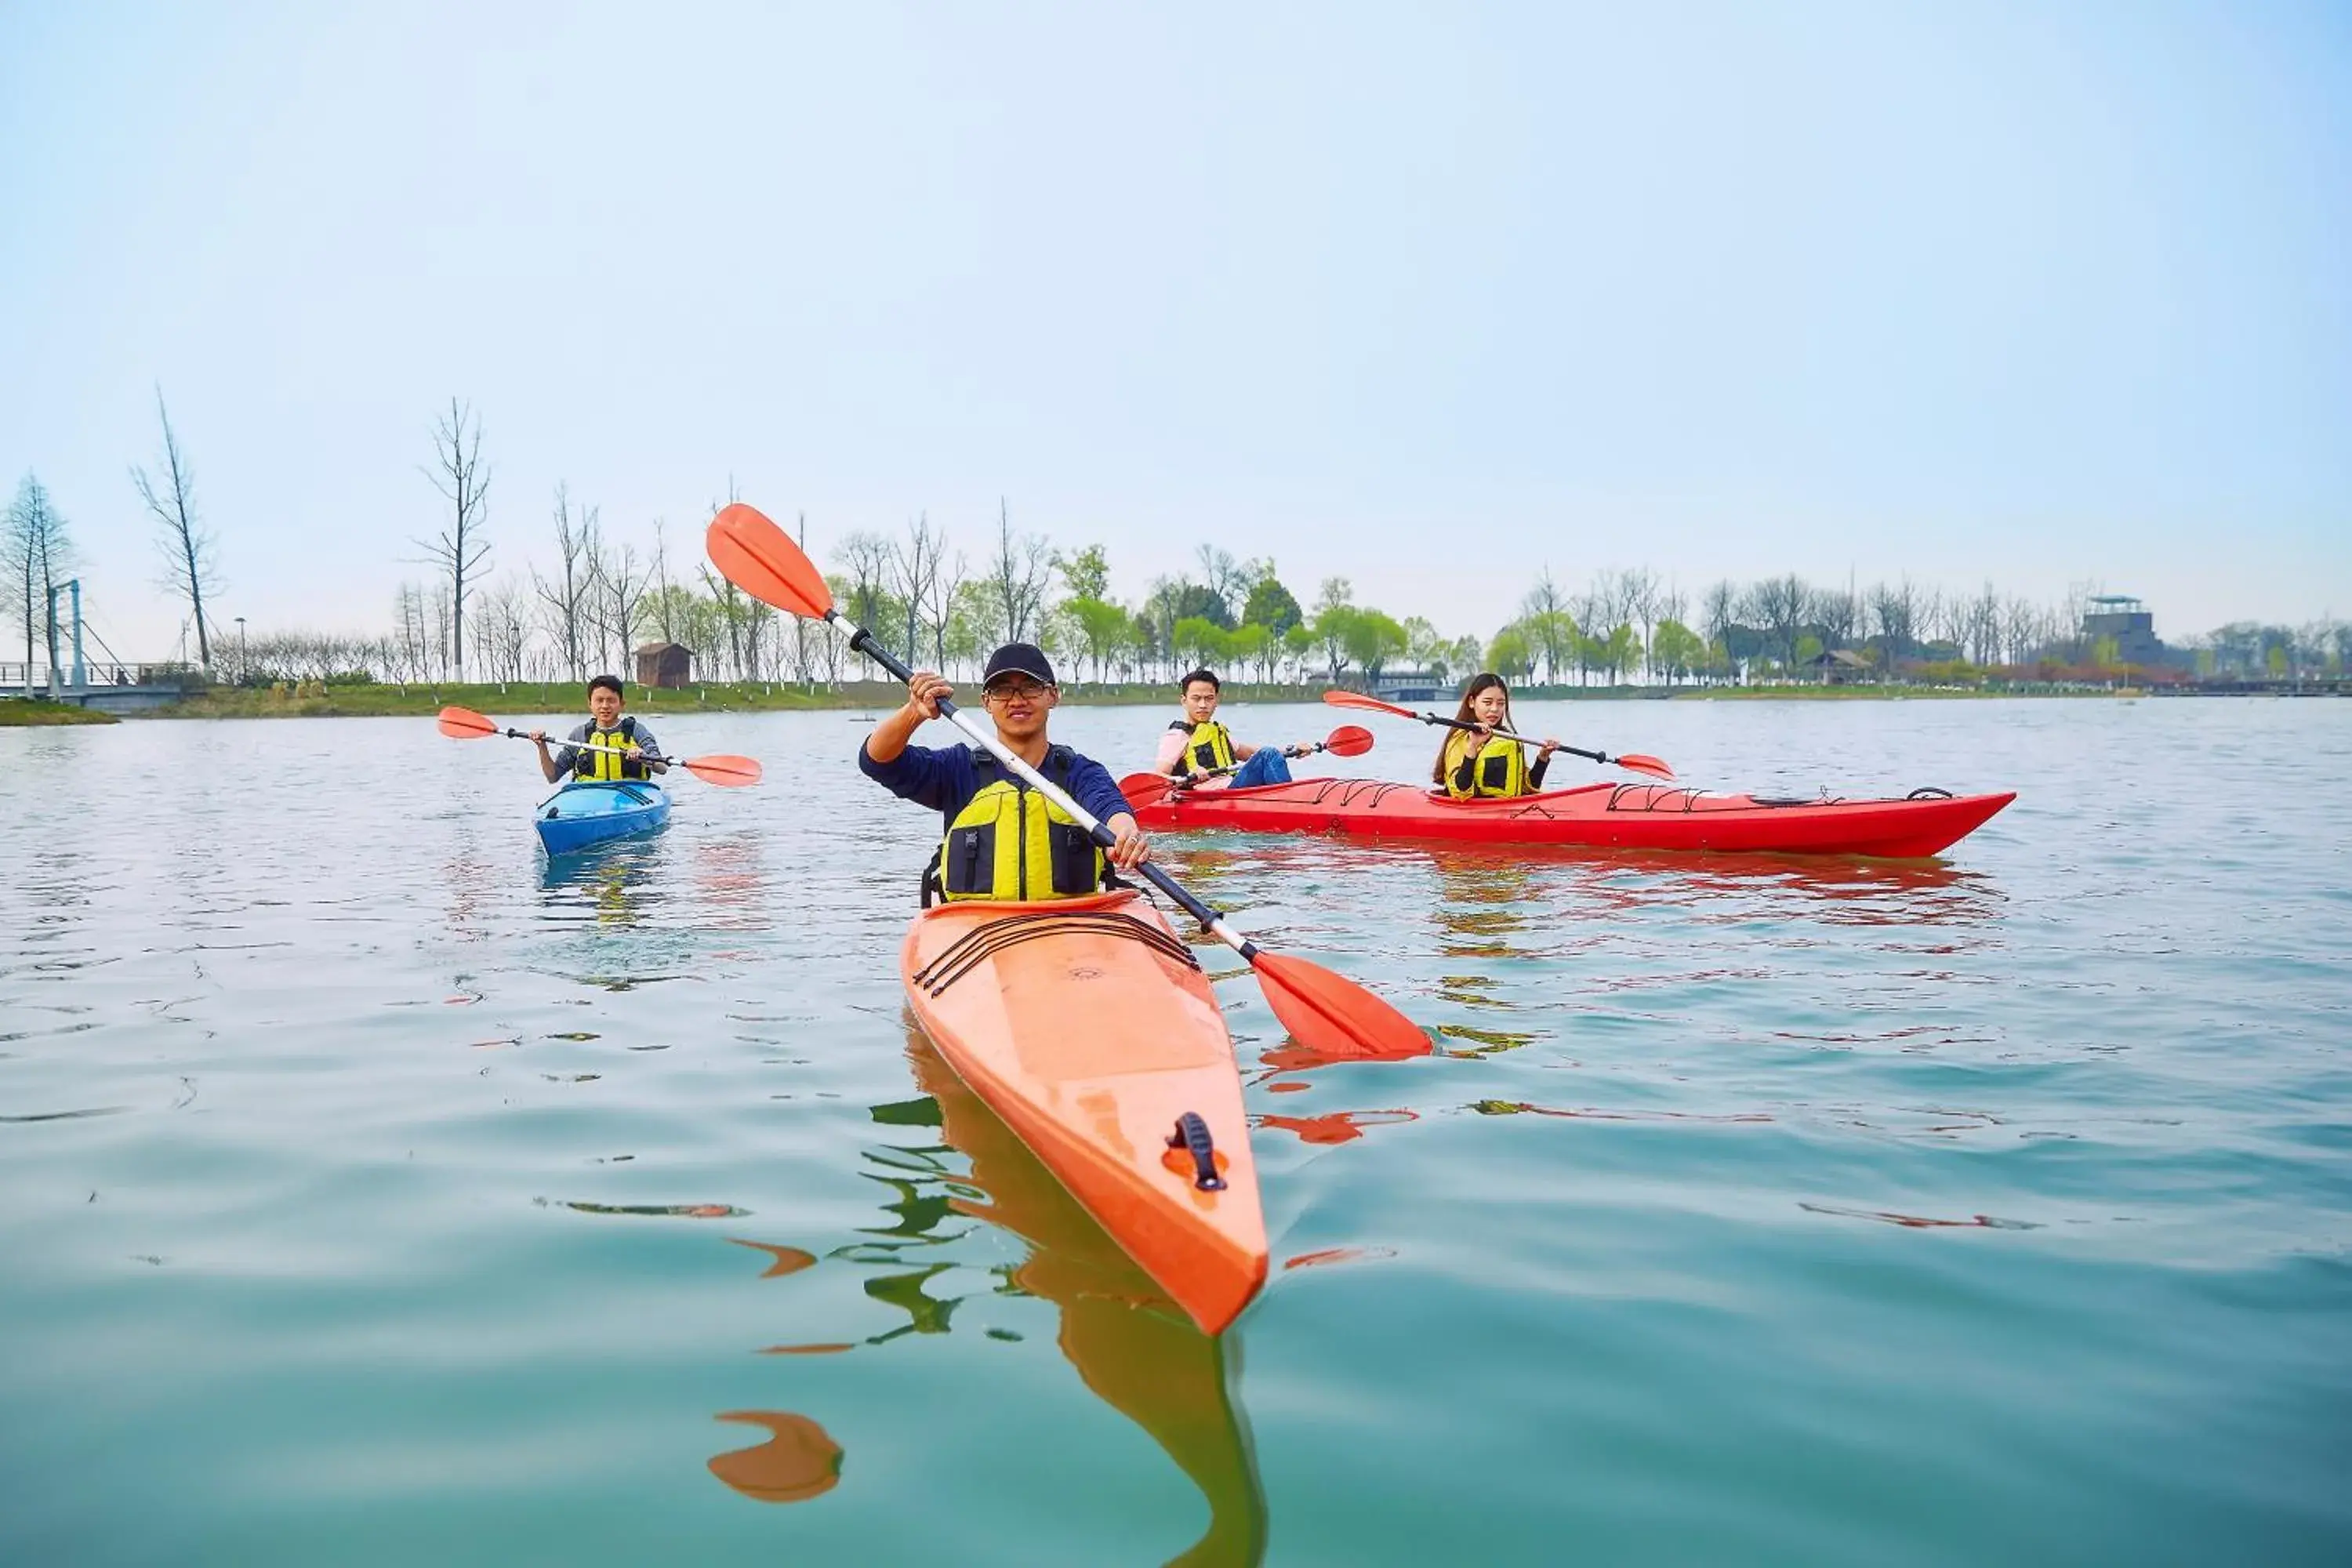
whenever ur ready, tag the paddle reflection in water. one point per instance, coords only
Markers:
(730, 876)
(1131, 1345)
(799, 1460)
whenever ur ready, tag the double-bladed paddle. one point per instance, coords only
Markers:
(1347, 741)
(464, 724)
(1321, 1009)
(1634, 760)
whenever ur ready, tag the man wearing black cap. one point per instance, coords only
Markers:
(1004, 840)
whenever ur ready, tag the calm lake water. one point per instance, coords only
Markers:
(372, 1193)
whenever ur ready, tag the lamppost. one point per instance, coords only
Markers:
(241, 665)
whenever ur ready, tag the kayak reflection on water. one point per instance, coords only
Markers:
(1131, 1345)
(616, 880)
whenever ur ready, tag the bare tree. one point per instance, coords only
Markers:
(804, 632)
(187, 548)
(460, 547)
(1228, 579)
(915, 568)
(444, 631)
(1894, 619)
(1637, 589)
(565, 595)
(1549, 627)
(35, 548)
(1782, 603)
(1017, 580)
(501, 629)
(868, 557)
(729, 601)
(624, 582)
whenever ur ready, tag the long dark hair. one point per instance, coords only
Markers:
(1483, 681)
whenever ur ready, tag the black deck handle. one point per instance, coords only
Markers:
(1192, 1134)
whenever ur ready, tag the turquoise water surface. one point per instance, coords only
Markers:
(373, 1191)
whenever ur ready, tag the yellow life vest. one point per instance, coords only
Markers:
(1010, 842)
(587, 764)
(1207, 747)
(1501, 773)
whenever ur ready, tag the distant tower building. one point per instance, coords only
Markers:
(2123, 618)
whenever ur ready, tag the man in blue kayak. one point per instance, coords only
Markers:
(1004, 840)
(632, 752)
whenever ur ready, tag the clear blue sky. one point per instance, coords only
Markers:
(1431, 295)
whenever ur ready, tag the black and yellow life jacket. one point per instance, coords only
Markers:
(1207, 747)
(1010, 842)
(1501, 770)
(587, 764)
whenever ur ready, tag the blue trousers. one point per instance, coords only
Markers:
(1266, 767)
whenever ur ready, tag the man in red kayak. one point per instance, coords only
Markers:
(1196, 745)
(1004, 840)
(633, 752)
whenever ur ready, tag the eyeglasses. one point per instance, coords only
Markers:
(1005, 690)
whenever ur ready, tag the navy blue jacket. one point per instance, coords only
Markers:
(945, 780)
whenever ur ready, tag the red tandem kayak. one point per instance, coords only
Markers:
(1601, 815)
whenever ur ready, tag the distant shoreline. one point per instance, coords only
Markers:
(563, 697)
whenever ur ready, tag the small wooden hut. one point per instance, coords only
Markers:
(669, 664)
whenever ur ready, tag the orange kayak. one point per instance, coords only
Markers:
(1087, 1025)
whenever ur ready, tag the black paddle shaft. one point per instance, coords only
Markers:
(1522, 740)
(862, 642)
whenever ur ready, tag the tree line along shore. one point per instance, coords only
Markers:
(590, 596)
(314, 700)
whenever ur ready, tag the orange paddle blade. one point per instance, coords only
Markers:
(1349, 740)
(1142, 789)
(464, 724)
(1338, 698)
(760, 559)
(1333, 1016)
(731, 773)
(1642, 765)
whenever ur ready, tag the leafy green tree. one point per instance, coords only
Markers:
(1676, 651)
(1104, 630)
(1271, 605)
(1619, 652)
(2275, 661)
(1508, 655)
(971, 622)
(1299, 643)
(1252, 643)
(1333, 624)
(1809, 649)
(1086, 574)
(1199, 640)
(1372, 639)
(1552, 636)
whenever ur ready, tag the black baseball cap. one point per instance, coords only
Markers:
(1018, 659)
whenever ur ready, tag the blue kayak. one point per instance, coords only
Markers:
(587, 813)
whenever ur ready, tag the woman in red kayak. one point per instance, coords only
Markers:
(1481, 765)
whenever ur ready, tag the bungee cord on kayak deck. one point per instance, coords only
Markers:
(975, 947)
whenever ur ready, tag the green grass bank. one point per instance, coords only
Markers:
(19, 712)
